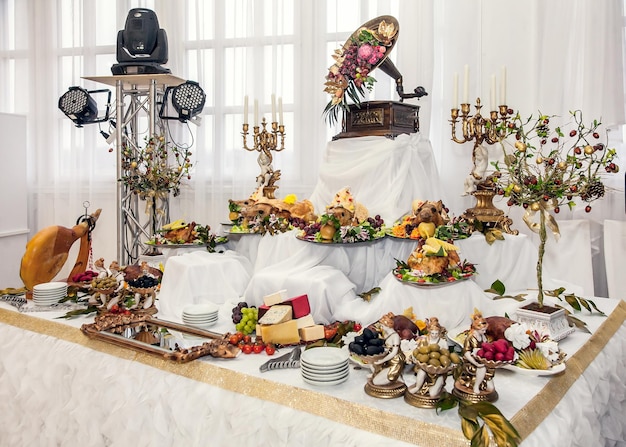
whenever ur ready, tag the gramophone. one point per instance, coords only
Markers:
(370, 118)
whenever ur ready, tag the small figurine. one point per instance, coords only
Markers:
(431, 374)
(475, 381)
(386, 379)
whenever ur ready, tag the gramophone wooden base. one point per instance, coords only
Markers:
(380, 118)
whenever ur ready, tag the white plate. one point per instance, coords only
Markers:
(324, 356)
(202, 318)
(325, 377)
(50, 286)
(323, 369)
(200, 309)
(203, 325)
(50, 292)
(557, 369)
(330, 383)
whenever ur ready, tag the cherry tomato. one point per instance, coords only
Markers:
(246, 349)
(270, 349)
(233, 339)
(247, 339)
(357, 327)
(257, 349)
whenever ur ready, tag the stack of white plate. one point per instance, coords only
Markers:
(201, 315)
(49, 293)
(324, 366)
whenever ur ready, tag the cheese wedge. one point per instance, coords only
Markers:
(282, 333)
(275, 298)
(278, 313)
(300, 305)
(312, 333)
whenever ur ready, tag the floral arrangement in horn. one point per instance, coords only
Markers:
(350, 75)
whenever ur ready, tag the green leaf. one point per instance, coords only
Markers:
(572, 301)
(447, 402)
(469, 428)
(481, 438)
(498, 286)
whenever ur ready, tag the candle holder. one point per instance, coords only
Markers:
(264, 142)
(482, 130)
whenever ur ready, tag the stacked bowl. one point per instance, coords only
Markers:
(49, 293)
(324, 366)
(203, 315)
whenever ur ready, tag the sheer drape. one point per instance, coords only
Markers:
(560, 55)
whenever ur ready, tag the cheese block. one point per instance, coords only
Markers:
(305, 321)
(275, 298)
(300, 305)
(282, 333)
(311, 333)
(263, 308)
(279, 313)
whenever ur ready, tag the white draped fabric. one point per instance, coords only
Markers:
(383, 174)
(559, 56)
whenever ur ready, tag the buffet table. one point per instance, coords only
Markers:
(60, 387)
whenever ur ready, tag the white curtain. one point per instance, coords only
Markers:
(559, 56)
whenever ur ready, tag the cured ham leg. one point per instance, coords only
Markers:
(48, 250)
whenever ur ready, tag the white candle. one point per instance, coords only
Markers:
(256, 112)
(280, 110)
(503, 87)
(273, 108)
(492, 93)
(466, 85)
(455, 87)
(245, 109)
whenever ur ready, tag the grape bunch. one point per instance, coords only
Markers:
(376, 222)
(143, 282)
(311, 230)
(368, 343)
(297, 222)
(245, 318)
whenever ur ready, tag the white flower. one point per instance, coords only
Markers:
(550, 350)
(518, 336)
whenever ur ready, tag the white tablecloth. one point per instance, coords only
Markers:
(59, 388)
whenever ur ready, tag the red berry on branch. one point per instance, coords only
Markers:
(557, 209)
(525, 205)
(572, 133)
(596, 135)
(543, 141)
(578, 150)
(573, 188)
(588, 209)
(509, 111)
(555, 140)
(569, 197)
(551, 161)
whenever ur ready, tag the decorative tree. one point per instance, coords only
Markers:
(550, 168)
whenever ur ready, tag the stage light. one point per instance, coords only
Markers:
(187, 99)
(79, 105)
(141, 45)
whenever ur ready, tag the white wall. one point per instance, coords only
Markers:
(13, 197)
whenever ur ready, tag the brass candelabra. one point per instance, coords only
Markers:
(264, 142)
(482, 130)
